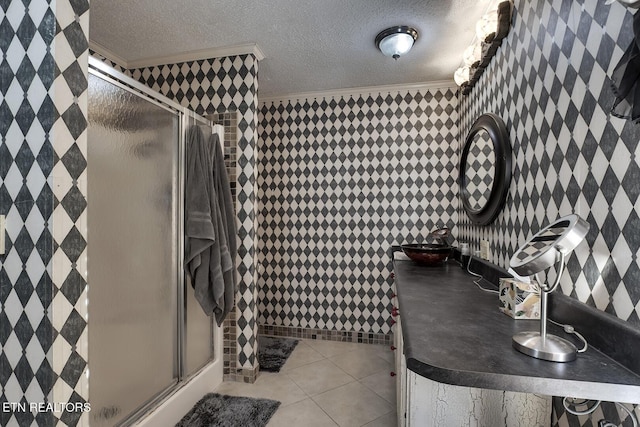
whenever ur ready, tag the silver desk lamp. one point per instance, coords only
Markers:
(548, 247)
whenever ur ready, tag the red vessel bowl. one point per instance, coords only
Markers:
(427, 253)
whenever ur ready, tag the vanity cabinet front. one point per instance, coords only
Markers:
(455, 364)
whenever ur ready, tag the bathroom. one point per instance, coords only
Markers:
(319, 267)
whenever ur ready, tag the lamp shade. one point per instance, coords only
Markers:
(396, 41)
(487, 25)
(461, 75)
(472, 54)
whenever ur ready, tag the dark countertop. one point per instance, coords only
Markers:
(454, 333)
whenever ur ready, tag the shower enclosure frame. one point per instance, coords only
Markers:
(168, 406)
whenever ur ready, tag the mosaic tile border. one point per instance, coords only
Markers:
(229, 120)
(248, 376)
(230, 371)
(326, 335)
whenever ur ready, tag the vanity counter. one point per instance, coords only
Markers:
(455, 334)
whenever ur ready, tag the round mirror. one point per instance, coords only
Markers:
(485, 169)
(479, 171)
(539, 252)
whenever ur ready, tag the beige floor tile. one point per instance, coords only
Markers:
(318, 377)
(332, 348)
(305, 413)
(353, 405)
(233, 388)
(389, 420)
(327, 370)
(382, 384)
(302, 355)
(361, 362)
(269, 385)
(385, 352)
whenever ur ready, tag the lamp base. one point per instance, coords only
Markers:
(549, 347)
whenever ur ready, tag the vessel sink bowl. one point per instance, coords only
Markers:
(427, 253)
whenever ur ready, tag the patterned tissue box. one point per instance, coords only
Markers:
(519, 300)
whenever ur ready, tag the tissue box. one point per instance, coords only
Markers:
(519, 300)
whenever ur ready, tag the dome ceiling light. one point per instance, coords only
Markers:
(396, 41)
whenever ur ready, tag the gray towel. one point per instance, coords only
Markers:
(228, 222)
(202, 246)
(208, 253)
(199, 230)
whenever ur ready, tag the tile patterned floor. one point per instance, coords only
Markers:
(328, 384)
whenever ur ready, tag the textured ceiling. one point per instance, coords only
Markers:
(309, 45)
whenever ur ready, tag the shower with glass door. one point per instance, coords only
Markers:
(147, 334)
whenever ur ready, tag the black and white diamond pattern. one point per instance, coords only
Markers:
(605, 411)
(42, 193)
(340, 181)
(479, 172)
(550, 83)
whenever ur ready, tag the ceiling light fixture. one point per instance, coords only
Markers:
(396, 41)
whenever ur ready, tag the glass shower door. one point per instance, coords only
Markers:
(132, 251)
(198, 327)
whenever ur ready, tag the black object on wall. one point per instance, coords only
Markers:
(493, 191)
(626, 79)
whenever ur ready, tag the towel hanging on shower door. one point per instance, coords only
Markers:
(228, 222)
(210, 234)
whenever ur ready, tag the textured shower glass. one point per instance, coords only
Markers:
(132, 251)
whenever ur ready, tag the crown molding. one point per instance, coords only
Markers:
(355, 91)
(244, 49)
(103, 51)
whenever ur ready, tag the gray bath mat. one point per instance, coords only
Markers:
(216, 410)
(274, 351)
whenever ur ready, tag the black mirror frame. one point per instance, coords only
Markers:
(495, 127)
